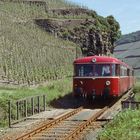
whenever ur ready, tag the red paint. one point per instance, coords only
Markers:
(97, 85)
(89, 84)
(99, 59)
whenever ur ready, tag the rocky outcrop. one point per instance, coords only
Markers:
(93, 41)
(94, 34)
(81, 32)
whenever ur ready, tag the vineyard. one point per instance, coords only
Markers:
(29, 55)
(61, 4)
(39, 39)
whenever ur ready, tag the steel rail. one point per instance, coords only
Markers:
(49, 124)
(79, 127)
(85, 124)
(115, 106)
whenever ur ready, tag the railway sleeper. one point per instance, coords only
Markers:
(62, 130)
(55, 132)
(51, 135)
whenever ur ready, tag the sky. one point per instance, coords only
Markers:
(126, 12)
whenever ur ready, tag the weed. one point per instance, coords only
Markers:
(53, 90)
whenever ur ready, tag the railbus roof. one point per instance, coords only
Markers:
(99, 59)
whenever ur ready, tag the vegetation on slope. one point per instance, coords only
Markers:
(85, 27)
(55, 4)
(27, 53)
(30, 55)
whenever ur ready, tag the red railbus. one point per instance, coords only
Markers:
(101, 76)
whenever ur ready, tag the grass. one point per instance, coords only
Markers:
(137, 90)
(53, 90)
(126, 124)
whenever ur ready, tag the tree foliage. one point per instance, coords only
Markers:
(114, 28)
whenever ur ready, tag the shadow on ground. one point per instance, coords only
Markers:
(68, 101)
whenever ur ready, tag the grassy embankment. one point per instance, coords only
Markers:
(126, 125)
(53, 90)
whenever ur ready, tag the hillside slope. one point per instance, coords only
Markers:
(128, 38)
(27, 53)
(38, 38)
(85, 27)
(130, 53)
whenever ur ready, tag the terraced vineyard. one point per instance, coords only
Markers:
(27, 53)
(34, 36)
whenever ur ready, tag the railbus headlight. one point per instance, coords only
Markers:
(94, 60)
(108, 83)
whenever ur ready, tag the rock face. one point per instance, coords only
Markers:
(94, 34)
(92, 41)
(82, 32)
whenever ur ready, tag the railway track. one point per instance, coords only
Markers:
(115, 107)
(70, 125)
(67, 126)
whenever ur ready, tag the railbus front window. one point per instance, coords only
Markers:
(103, 70)
(106, 70)
(84, 70)
(96, 70)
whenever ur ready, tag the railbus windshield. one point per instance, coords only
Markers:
(87, 70)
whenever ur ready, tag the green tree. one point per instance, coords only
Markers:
(115, 32)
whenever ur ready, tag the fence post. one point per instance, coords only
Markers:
(44, 102)
(137, 105)
(17, 110)
(9, 104)
(38, 98)
(25, 105)
(32, 102)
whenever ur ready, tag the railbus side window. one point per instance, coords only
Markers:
(117, 70)
(128, 72)
(125, 71)
(132, 72)
(121, 71)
